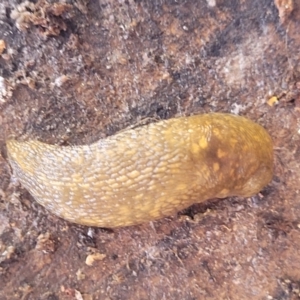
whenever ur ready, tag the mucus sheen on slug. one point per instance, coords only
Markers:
(146, 173)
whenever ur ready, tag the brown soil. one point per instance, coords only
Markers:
(71, 73)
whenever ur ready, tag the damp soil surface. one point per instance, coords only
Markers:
(73, 72)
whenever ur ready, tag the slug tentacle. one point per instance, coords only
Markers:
(146, 173)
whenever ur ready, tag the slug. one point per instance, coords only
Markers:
(146, 173)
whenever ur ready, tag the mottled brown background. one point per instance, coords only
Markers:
(76, 72)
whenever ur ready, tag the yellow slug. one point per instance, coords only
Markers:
(147, 173)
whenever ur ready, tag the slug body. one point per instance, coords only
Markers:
(147, 173)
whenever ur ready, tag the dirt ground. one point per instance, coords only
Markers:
(72, 72)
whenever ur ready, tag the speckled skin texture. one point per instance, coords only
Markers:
(147, 173)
